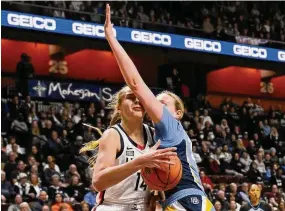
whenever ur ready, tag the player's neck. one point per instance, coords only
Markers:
(255, 203)
(133, 129)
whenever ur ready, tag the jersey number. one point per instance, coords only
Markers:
(140, 185)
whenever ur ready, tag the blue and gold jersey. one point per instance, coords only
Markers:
(172, 134)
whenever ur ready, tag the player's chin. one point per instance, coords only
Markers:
(138, 113)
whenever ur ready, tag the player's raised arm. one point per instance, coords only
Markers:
(131, 75)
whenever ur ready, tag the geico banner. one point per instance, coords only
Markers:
(71, 91)
(93, 30)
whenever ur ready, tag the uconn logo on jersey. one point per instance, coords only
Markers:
(130, 153)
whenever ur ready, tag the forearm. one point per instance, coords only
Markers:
(127, 67)
(111, 176)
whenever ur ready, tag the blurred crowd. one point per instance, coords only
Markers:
(235, 20)
(41, 163)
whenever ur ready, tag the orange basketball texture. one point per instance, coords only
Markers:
(157, 179)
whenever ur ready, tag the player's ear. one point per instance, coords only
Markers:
(178, 114)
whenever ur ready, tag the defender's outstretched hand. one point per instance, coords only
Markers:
(108, 25)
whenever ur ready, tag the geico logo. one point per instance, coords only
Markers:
(202, 45)
(88, 29)
(281, 55)
(250, 51)
(32, 22)
(148, 37)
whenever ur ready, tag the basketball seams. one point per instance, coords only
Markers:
(145, 178)
(177, 178)
(168, 173)
(155, 179)
(159, 177)
(180, 170)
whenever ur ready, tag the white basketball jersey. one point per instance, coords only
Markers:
(132, 190)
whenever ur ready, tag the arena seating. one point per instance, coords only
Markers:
(234, 144)
(243, 22)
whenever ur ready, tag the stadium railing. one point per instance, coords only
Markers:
(174, 29)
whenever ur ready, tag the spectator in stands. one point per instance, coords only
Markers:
(240, 146)
(76, 189)
(233, 190)
(12, 140)
(227, 154)
(24, 206)
(16, 205)
(206, 181)
(273, 156)
(50, 171)
(55, 187)
(54, 117)
(218, 205)
(6, 188)
(274, 196)
(59, 203)
(90, 197)
(85, 206)
(36, 154)
(246, 161)
(35, 187)
(89, 135)
(251, 149)
(267, 161)
(10, 165)
(260, 164)
(35, 128)
(207, 25)
(45, 208)
(277, 178)
(254, 175)
(233, 206)
(19, 125)
(237, 165)
(40, 202)
(21, 168)
(222, 198)
(25, 70)
(243, 194)
(206, 118)
(95, 17)
(72, 170)
(196, 155)
(22, 186)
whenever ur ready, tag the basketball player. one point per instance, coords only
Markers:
(165, 111)
(123, 150)
(254, 203)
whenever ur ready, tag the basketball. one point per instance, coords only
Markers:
(158, 179)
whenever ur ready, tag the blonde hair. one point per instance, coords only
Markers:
(116, 102)
(35, 130)
(179, 105)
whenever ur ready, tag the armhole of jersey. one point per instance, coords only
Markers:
(101, 197)
(151, 130)
(122, 144)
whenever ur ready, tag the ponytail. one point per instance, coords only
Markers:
(115, 118)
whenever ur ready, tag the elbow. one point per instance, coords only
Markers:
(135, 85)
(98, 184)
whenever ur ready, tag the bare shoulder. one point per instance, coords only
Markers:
(109, 145)
(110, 136)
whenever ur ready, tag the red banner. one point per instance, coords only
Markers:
(245, 81)
(70, 62)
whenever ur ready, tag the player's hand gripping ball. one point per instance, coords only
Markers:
(158, 179)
